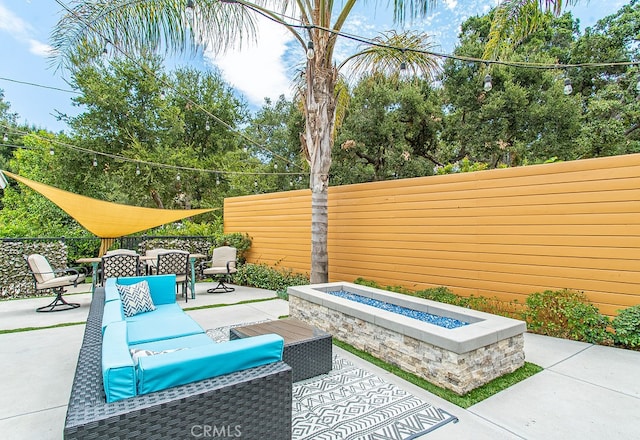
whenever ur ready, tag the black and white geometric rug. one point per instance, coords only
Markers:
(350, 403)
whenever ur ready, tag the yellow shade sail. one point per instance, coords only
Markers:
(107, 219)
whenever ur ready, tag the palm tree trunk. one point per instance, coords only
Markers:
(317, 143)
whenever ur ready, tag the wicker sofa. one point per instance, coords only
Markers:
(254, 403)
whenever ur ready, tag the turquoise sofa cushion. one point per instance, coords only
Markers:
(162, 287)
(148, 328)
(161, 312)
(155, 373)
(112, 313)
(110, 291)
(118, 370)
(169, 344)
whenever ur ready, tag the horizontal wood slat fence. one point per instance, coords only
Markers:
(505, 233)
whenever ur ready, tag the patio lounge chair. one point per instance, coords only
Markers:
(223, 264)
(46, 278)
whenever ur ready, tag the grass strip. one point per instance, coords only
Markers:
(465, 401)
(213, 306)
(28, 329)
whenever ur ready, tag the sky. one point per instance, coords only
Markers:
(25, 26)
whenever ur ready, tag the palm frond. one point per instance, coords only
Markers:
(136, 25)
(393, 51)
(403, 10)
(514, 20)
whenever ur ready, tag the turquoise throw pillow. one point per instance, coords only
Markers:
(136, 298)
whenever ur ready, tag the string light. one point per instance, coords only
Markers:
(217, 180)
(487, 83)
(119, 158)
(51, 151)
(189, 10)
(5, 138)
(568, 88)
(137, 170)
(95, 161)
(162, 95)
(310, 52)
(178, 177)
(207, 126)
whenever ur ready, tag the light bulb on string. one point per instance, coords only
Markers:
(310, 52)
(189, 10)
(137, 170)
(568, 88)
(178, 177)
(51, 151)
(95, 161)
(162, 95)
(207, 126)
(217, 180)
(5, 138)
(487, 86)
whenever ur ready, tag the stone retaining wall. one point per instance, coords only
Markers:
(16, 280)
(458, 372)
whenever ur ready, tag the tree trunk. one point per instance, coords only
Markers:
(320, 107)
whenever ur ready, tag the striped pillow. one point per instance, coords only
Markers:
(136, 298)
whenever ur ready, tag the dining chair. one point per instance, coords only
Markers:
(152, 259)
(120, 265)
(175, 262)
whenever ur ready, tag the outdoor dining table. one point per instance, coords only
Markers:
(95, 262)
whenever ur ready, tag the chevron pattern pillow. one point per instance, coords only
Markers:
(136, 298)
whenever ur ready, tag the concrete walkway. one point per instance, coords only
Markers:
(585, 391)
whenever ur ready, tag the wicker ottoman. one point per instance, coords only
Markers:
(307, 350)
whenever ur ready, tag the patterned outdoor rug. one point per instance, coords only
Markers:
(350, 403)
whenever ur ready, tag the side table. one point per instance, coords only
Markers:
(307, 350)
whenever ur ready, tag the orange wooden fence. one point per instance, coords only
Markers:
(504, 233)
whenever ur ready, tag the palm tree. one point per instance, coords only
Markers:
(135, 24)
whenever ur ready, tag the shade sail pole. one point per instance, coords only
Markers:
(105, 244)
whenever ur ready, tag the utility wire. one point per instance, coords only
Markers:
(39, 85)
(139, 161)
(370, 42)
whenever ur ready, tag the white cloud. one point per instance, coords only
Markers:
(21, 31)
(13, 24)
(41, 49)
(258, 71)
(451, 4)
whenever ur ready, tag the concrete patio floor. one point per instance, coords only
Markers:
(584, 392)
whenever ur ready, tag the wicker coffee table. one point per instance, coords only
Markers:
(307, 349)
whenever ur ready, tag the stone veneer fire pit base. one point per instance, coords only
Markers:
(459, 359)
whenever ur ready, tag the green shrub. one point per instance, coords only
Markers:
(566, 314)
(242, 242)
(627, 327)
(267, 277)
(443, 295)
